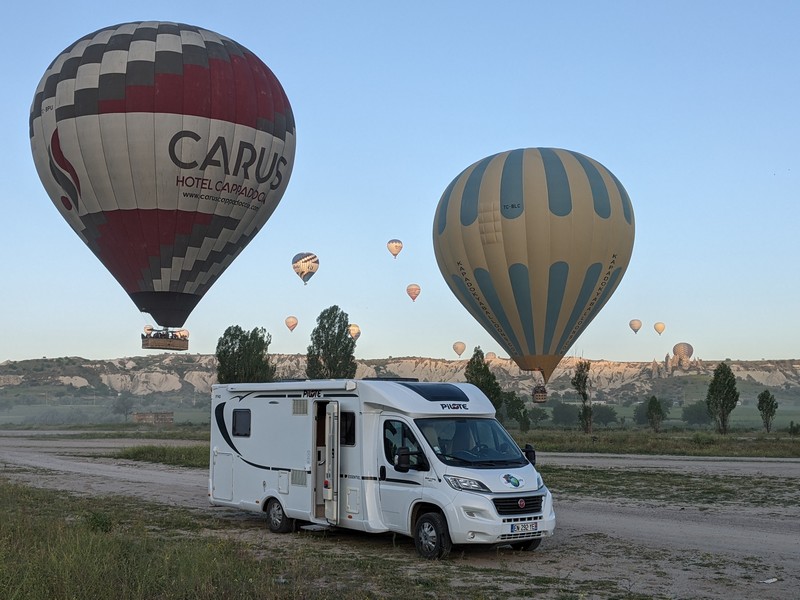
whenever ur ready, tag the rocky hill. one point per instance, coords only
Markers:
(182, 378)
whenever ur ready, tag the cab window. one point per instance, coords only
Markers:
(397, 434)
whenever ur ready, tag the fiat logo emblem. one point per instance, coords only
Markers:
(521, 503)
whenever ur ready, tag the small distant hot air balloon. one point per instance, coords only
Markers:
(394, 247)
(636, 325)
(533, 242)
(413, 291)
(491, 356)
(459, 348)
(683, 350)
(659, 327)
(305, 265)
(291, 322)
(354, 331)
(166, 147)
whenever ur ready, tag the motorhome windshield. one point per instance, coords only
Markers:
(471, 442)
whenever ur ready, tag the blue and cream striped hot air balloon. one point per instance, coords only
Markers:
(533, 242)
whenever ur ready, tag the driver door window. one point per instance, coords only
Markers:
(397, 434)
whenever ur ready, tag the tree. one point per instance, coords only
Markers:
(478, 374)
(696, 414)
(565, 415)
(722, 396)
(330, 355)
(640, 412)
(580, 381)
(655, 414)
(767, 406)
(536, 415)
(515, 409)
(242, 356)
(123, 405)
(604, 414)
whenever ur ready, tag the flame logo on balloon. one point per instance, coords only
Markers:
(64, 173)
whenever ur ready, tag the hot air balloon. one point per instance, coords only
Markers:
(413, 291)
(305, 265)
(291, 322)
(683, 350)
(636, 325)
(459, 348)
(166, 147)
(354, 331)
(491, 356)
(533, 242)
(659, 327)
(394, 247)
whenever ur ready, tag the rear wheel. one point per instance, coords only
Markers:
(277, 521)
(527, 544)
(431, 536)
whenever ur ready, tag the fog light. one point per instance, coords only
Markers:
(471, 535)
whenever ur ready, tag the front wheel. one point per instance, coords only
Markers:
(431, 536)
(277, 521)
(530, 545)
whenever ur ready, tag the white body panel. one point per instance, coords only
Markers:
(276, 440)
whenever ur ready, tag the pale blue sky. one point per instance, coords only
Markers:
(692, 105)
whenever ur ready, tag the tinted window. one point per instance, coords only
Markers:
(397, 434)
(241, 422)
(347, 431)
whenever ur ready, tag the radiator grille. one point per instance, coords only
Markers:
(518, 505)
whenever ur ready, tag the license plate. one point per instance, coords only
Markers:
(524, 527)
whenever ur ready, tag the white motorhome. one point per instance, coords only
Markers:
(428, 460)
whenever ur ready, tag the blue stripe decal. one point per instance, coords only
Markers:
(559, 196)
(556, 285)
(473, 307)
(521, 285)
(472, 191)
(441, 217)
(511, 191)
(627, 209)
(484, 280)
(602, 203)
(590, 282)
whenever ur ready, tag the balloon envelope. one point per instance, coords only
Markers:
(166, 147)
(659, 327)
(533, 242)
(459, 348)
(394, 247)
(291, 322)
(636, 325)
(413, 291)
(305, 265)
(354, 331)
(683, 350)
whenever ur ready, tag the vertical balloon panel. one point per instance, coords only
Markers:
(166, 147)
(533, 242)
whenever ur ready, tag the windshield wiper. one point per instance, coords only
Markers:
(463, 461)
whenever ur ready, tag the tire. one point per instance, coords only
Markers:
(529, 545)
(431, 537)
(277, 521)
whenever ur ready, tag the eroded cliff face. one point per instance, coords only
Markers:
(186, 374)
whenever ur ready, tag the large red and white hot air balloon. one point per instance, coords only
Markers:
(166, 147)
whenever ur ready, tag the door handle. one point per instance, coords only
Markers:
(382, 473)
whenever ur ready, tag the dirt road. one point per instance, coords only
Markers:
(646, 548)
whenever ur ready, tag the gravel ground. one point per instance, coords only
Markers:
(646, 548)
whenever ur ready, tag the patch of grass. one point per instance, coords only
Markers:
(181, 456)
(699, 490)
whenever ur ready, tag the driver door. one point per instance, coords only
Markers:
(399, 491)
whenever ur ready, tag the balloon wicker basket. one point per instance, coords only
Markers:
(158, 343)
(539, 394)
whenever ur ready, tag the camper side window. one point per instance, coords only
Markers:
(397, 434)
(347, 432)
(241, 422)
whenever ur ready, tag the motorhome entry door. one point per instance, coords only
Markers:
(330, 486)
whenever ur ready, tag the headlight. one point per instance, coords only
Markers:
(539, 482)
(465, 484)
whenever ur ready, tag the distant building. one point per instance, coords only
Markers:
(154, 418)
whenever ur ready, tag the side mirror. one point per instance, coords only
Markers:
(530, 454)
(402, 460)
